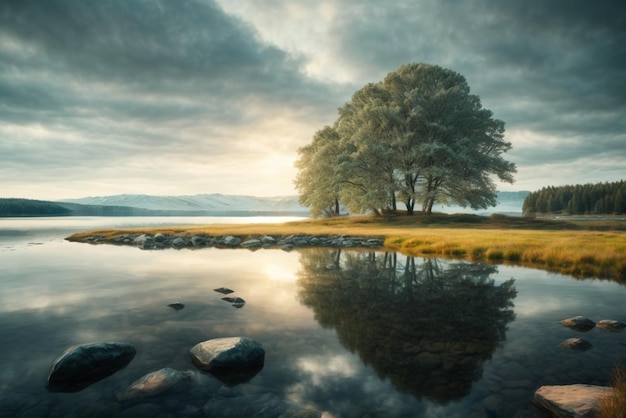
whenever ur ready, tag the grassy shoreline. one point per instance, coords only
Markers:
(580, 249)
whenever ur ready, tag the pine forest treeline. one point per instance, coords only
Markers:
(28, 207)
(580, 199)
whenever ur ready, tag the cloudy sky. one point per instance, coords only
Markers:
(216, 96)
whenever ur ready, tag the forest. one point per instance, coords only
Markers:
(14, 207)
(581, 199)
(28, 207)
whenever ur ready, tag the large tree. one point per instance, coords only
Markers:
(418, 136)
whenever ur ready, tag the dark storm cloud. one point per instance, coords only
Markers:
(113, 84)
(137, 49)
(554, 67)
(145, 45)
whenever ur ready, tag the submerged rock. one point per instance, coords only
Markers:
(226, 354)
(572, 400)
(579, 323)
(177, 306)
(611, 325)
(236, 302)
(223, 290)
(576, 344)
(158, 382)
(82, 365)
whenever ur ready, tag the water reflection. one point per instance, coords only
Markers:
(427, 325)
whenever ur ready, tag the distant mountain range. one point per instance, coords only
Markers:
(508, 202)
(202, 205)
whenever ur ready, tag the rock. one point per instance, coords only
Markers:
(251, 243)
(256, 406)
(177, 306)
(579, 323)
(232, 241)
(268, 240)
(141, 239)
(223, 290)
(228, 354)
(374, 242)
(300, 241)
(158, 382)
(81, 365)
(160, 238)
(578, 401)
(236, 302)
(198, 241)
(178, 242)
(611, 325)
(576, 344)
(144, 241)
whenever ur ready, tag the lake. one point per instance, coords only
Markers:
(347, 333)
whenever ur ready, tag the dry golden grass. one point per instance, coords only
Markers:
(578, 249)
(615, 406)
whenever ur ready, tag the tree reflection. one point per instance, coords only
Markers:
(427, 325)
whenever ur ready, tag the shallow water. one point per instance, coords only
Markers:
(347, 333)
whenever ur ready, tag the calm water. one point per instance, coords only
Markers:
(351, 334)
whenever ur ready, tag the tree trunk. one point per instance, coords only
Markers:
(431, 202)
(410, 206)
(427, 207)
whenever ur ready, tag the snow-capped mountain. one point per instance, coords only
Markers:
(197, 203)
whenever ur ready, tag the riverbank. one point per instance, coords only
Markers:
(581, 249)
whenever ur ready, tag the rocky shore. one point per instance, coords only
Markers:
(252, 242)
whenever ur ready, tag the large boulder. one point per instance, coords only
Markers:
(579, 323)
(572, 401)
(158, 382)
(81, 365)
(228, 354)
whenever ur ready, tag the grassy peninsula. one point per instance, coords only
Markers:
(578, 248)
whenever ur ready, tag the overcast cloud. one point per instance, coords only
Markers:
(202, 96)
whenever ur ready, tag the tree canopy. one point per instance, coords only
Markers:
(418, 137)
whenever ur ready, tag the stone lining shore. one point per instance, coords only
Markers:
(163, 241)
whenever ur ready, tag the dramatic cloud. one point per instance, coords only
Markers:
(194, 96)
